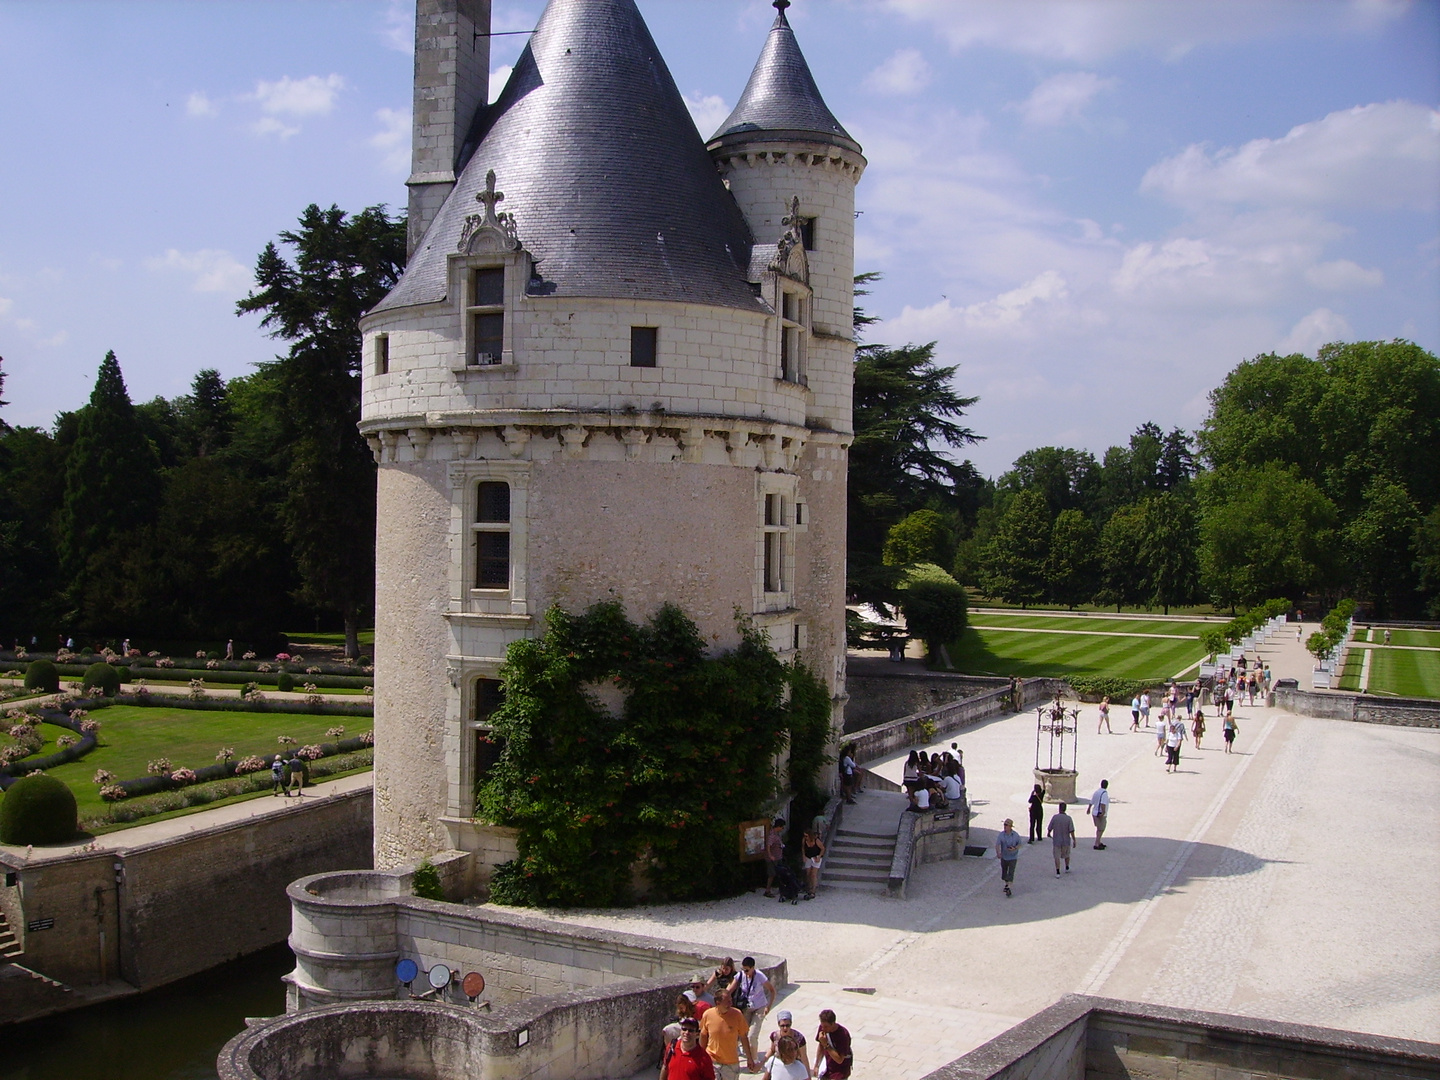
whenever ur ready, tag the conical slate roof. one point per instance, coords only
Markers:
(600, 164)
(781, 95)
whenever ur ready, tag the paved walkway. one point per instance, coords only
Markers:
(1294, 879)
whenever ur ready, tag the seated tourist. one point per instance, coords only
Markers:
(919, 798)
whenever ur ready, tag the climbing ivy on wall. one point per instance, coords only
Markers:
(667, 779)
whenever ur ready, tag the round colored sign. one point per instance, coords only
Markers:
(439, 976)
(406, 970)
(474, 985)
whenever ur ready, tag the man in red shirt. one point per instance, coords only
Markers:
(688, 1059)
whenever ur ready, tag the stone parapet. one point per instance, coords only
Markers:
(1361, 708)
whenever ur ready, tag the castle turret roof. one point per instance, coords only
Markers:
(781, 98)
(601, 166)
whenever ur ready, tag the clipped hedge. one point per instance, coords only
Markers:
(151, 785)
(1094, 687)
(102, 677)
(221, 678)
(38, 810)
(230, 704)
(10, 773)
(40, 675)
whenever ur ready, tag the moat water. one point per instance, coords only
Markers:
(173, 1033)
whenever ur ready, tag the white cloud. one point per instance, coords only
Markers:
(5, 305)
(708, 111)
(498, 78)
(1385, 155)
(213, 271)
(198, 104)
(1061, 98)
(904, 73)
(1086, 32)
(313, 95)
(393, 139)
(1343, 275)
(55, 340)
(1320, 327)
(398, 28)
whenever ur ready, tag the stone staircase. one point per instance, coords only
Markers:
(859, 860)
(9, 947)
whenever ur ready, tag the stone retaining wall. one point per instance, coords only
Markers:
(1089, 1038)
(1361, 708)
(878, 697)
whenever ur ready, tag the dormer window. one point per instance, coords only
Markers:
(486, 316)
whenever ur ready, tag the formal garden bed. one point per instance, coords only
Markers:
(134, 758)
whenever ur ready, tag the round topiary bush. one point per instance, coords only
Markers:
(37, 810)
(104, 678)
(41, 675)
(124, 673)
(285, 683)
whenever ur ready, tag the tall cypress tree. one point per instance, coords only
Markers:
(110, 477)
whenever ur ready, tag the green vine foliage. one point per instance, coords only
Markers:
(664, 783)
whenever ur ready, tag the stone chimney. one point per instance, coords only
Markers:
(452, 82)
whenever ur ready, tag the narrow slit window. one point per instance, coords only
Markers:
(382, 354)
(644, 346)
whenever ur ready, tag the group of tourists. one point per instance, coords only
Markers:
(934, 781)
(719, 1017)
(1061, 832)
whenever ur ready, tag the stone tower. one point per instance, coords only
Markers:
(617, 365)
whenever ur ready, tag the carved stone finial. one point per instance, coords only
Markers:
(790, 257)
(491, 231)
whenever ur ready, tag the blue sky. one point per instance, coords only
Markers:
(1096, 209)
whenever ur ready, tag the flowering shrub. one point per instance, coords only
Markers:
(282, 656)
(335, 732)
(109, 655)
(103, 776)
(183, 776)
(225, 753)
(296, 658)
(285, 740)
(248, 656)
(13, 753)
(21, 654)
(312, 694)
(165, 661)
(368, 691)
(310, 753)
(65, 740)
(141, 687)
(312, 671)
(253, 763)
(78, 715)
(349, 661)
(200, 654)
(153, 653)
(21, 731)
(159, 767)
(368, 738)
(133, 653)
(197, 690)
(265, 669)
(113, 793)
(89, 727)
(213, 665)
(252, 692)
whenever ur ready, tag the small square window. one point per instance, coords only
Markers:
(807, 233)
(494, 502)
(382, 354)
(644, 346)
(490, 287)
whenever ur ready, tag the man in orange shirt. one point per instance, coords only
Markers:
(723, 1030)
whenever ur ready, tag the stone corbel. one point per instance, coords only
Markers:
(389, 440)
(515, 439)
(692, 445)
(452, 672)
(377, 449)
(635, 440)
(420, 442)
(573, 439)
(770, 451)
(464, 439)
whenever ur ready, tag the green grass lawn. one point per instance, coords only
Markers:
(978, 602)
(131, 736)
(1405, 673)
(1002, 652)
(1354, 664)
(1091, 624)
(367, 639)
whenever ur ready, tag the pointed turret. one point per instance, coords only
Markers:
(781, 97)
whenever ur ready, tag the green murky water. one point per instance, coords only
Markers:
(173, 1033)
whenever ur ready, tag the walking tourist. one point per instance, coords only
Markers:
(1135, 713)
(1191, 690)
(812, 853)
(1174, 736)
(1037, 814)
(832, 1046)
(688, 1059)
(847, 773)
(756, 996)
(1100, 812)
(1229, 730)
(1197, 727)
(1007, 849)
(1145, 707)
(1104, 716)
(784, 1063)
(230, 649)
(774, 853)
(297, 776)
(278, 779)
(785, 1026)
(1159, 738)
(1062, 835)
(684, 1010)
(721, 977)
(724, 1032)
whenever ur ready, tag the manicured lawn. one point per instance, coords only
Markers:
(1003, 652)
(131, 736)
(1091, 624)
(1354, 664)
(367, 639)
(1405, 673)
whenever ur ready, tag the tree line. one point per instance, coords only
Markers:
(1308, 478)
(232, 511)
